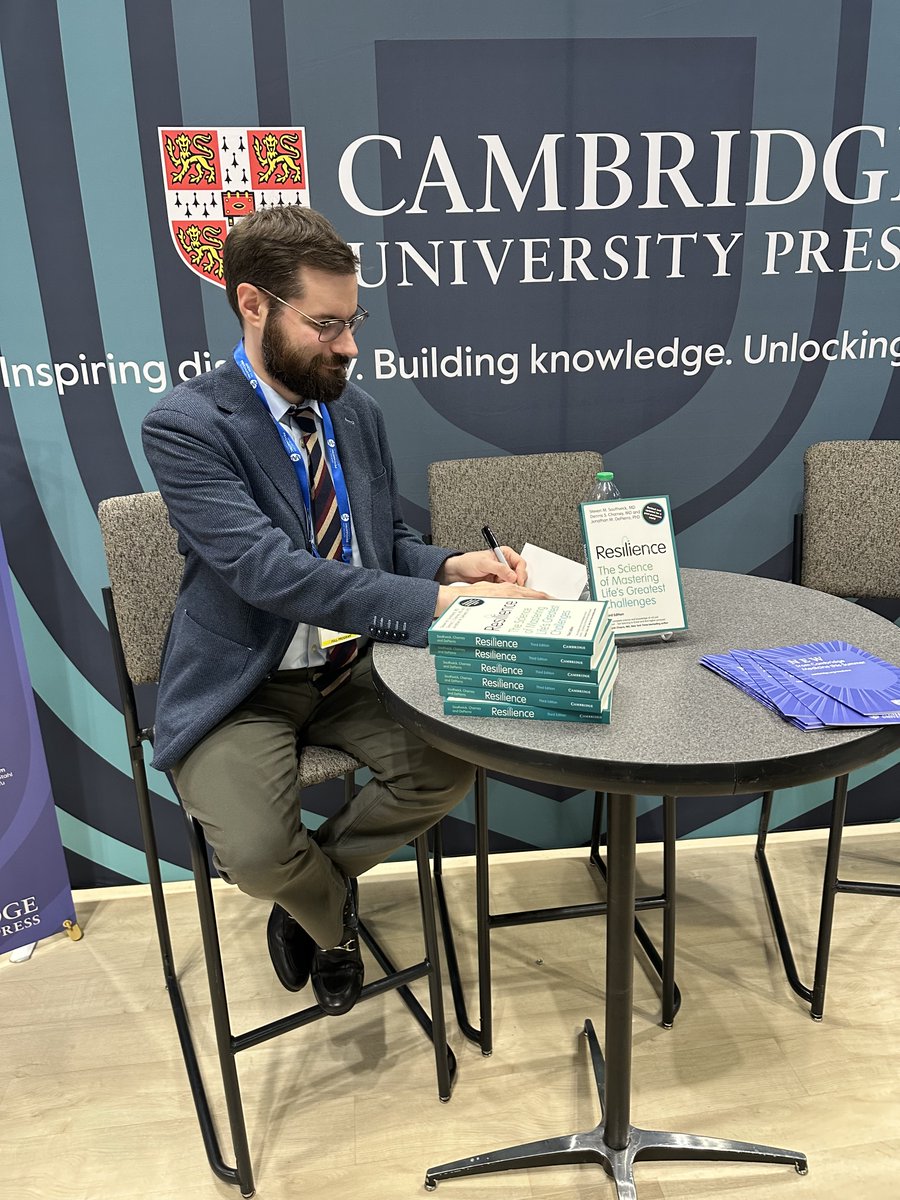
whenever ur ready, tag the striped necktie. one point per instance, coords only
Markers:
(326, 521)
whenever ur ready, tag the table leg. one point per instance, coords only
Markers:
(622, 832)
(615, 1144)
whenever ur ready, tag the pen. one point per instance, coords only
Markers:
(488, 535)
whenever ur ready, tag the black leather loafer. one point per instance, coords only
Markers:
(337, 973)
(291, 949)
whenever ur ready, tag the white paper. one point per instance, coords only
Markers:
(559, 577)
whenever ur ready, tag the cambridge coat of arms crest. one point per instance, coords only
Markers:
(214, 177)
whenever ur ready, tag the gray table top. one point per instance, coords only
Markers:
(676, 727)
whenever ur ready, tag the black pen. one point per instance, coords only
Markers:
(488, 535)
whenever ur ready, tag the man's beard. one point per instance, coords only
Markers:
(310, 376)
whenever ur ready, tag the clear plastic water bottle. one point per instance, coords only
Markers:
(604, 487)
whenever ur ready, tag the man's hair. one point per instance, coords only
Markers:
(267, 248)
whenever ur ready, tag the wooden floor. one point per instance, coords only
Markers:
(94, 1101)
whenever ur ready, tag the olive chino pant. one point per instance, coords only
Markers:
(240, 782)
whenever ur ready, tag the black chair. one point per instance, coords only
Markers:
(846, 543)
(145, 569)
(530, 498)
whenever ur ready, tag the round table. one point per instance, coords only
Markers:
(676, 729)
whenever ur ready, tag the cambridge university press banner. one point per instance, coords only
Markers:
(669, 233)
(35, 897)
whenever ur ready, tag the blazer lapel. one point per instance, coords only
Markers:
(252, 421)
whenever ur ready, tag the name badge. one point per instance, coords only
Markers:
(331, 637)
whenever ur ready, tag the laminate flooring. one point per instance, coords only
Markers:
(94, 1101)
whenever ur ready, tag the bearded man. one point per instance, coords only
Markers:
(279, 482)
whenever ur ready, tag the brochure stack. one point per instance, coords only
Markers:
(538, 660)
(816, 685)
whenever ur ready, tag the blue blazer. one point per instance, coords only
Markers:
(249, 577)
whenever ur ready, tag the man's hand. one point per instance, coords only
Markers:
(483, 566)
(487, 575)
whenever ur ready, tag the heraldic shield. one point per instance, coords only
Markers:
(214, 177)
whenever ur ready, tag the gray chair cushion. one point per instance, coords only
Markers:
(851, 518)
(319, 763)
(145, 570)
(524, 498)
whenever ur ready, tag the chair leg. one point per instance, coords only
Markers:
(765, 815)
(829, 891)
(212, 953)
(243, 1175)
(485, 920)
(173, 987)
(597, 824)
(453, 972)
(433, 1025)
(815, 996)
(443, 1065)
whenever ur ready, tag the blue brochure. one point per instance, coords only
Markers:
(777, 687)
(845, 678)
(815, 685)
(729, 668)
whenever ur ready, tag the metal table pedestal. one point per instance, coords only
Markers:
(615, 1144)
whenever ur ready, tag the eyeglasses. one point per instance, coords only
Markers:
(330, 330)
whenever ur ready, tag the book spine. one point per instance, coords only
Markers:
(485, 708)
(454, 657)
(533, 685)
(496, 641)
(594, 704)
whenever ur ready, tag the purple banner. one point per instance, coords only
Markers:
(35, 897)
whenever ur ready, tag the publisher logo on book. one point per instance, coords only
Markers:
(471, 601)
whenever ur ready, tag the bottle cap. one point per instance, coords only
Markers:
(604, 474)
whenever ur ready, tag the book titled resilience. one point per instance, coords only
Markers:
(516, 712)
(534, 685)
(534, 662)
(558, 627)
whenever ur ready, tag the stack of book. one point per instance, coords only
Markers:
(816, 685)
(539, 660)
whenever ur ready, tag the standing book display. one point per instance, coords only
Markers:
(549, 660)
(633, 564)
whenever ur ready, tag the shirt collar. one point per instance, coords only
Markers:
(277, 404)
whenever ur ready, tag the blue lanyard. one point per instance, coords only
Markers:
(294, 454)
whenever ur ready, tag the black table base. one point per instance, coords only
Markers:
(592, 1147)
(615, 1144)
